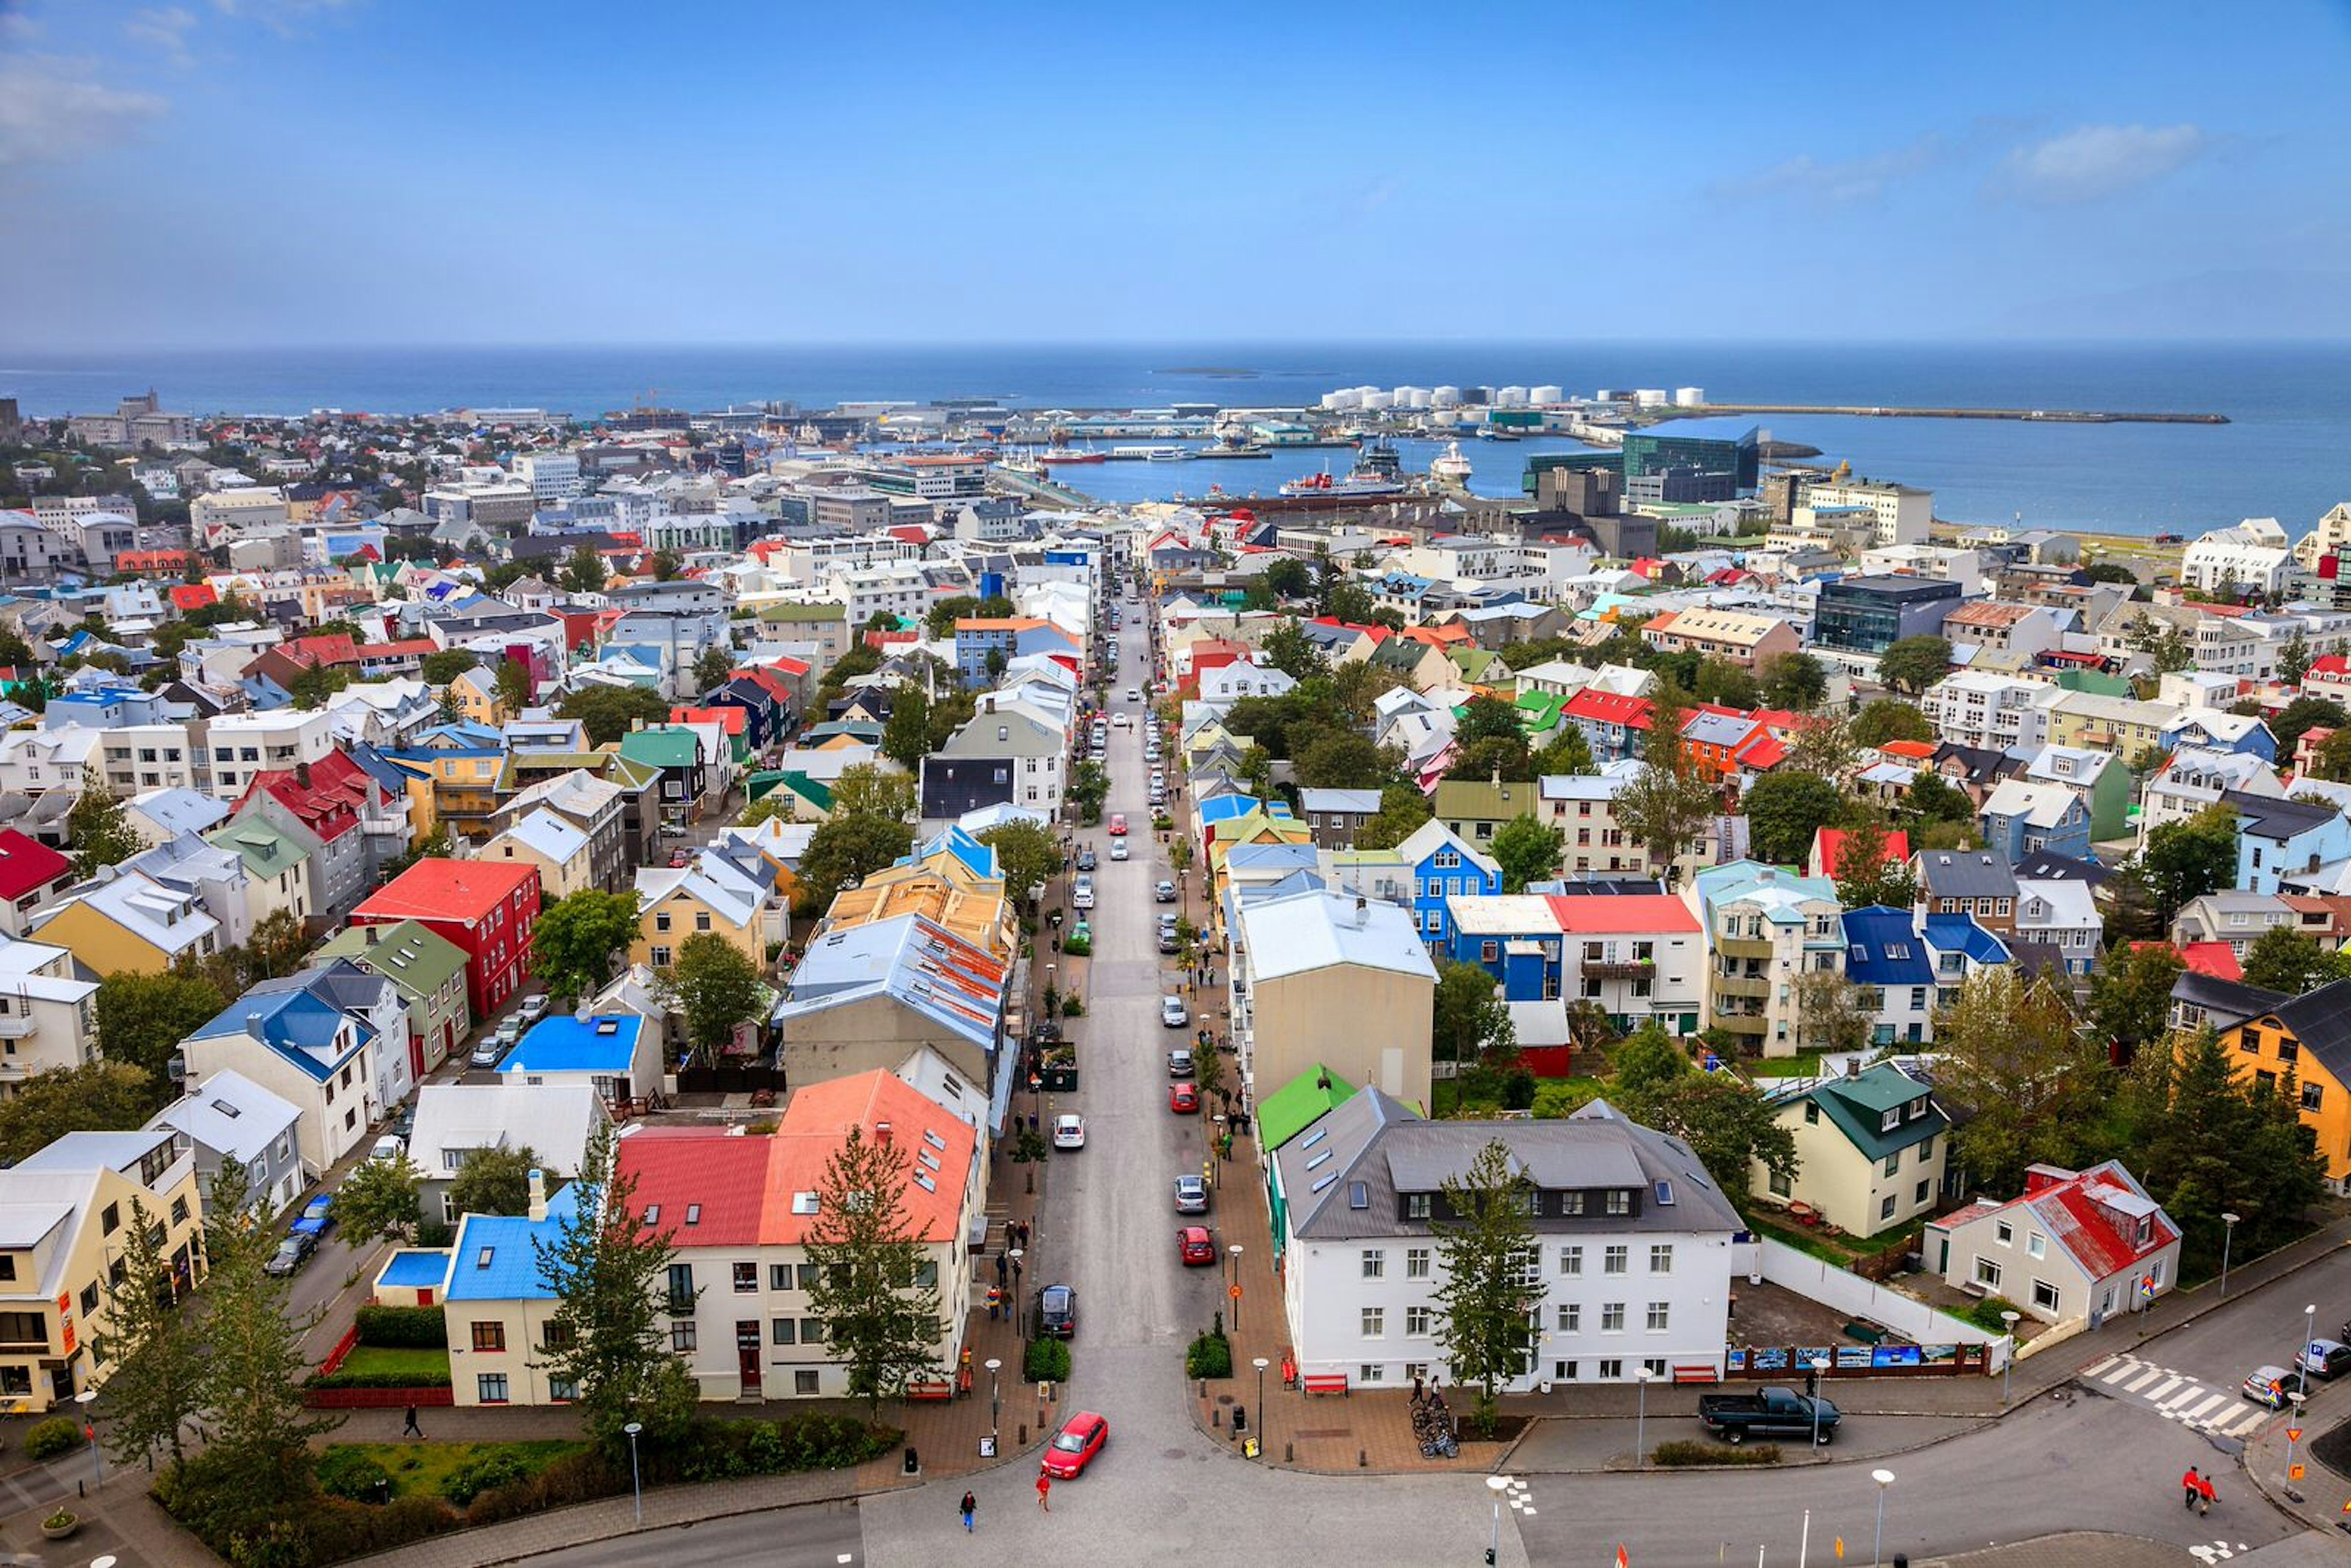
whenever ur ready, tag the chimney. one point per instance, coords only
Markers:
(253, 1025)
(1853, 1066)
(881, 1134)
(1362, 912)
(1768, 873)
(539, 1195)
(1323, 1079)
(371, 933)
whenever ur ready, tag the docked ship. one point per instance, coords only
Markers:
(1066, 456)
(1449, 468)
(1356, 484)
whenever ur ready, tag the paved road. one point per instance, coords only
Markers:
(825, 1536)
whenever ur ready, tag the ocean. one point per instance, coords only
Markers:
(2286, 451)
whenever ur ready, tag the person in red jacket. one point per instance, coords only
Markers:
(2205, 1496)
(2192, 1485)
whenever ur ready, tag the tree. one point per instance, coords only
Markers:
(95, 1097)
(1914, 663)
(1487, 1306)
(1469, 1021)
(156, 1345)
(1291, 578)
(1254, 771)
(2293, 660)
(1786, 811)
(1726, 1122)
(940, 622)
(1932, 798)
(2008, 1049)
(578, 938)
(2130, 995)
(1484, 718)
(2162, 641)
(1668, 803)
(440, 668)
(254, 1364)
(608, 1271)
(1089, 788)
(276, 946)
(2304, 714)
(1568, 755)
(142, 1018)
(608, 713)
(1886, 719)
(1341, 759)
(1723, 682)
(715, 987)
(906, 733)
(1796, 681)
(1867, 871)
(2209, 1142)
(2185, 860)
(314, 684)
(1527, 851)
(1502, 756)
(1643, 1060)
(880, 1320)
(665, 564)
(583, 571)
(494, 1180)
(2284, 960)
(865, 789)
(714, 666)
(96, 830)
(1288, 649)
(379, 1198)
(844, 852)
(1403, 809)
(1027, 854)
(1829, 1012)
(2332, 761)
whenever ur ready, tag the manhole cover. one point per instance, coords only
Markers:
(1173, 1454)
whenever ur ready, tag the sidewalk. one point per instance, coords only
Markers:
(2321, 1498)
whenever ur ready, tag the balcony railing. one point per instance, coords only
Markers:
(1742, 946)
(1755, 985)
(1620, 969)
(1739, 1024)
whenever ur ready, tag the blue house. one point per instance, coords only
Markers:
(612, 1052)
(1961, 949)
(2222, 731)
(1516, 938)
(1442, 866)
(2022, 818)
(1890, 961)
(2280, 841)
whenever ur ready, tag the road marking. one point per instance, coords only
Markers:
(2163, 1391)
(2095, 1367)
(2139, 1383)
(2193, 1409)
(2252, 1417)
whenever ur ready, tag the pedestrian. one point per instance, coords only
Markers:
(970, 1506)
(1002, 1263)
(995, 1300)
(1044, 1491)
(2192, 1485)
(410, 1428)
(2205, 1496)
(1418, 1391)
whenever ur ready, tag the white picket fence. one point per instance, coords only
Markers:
(1819, 1280)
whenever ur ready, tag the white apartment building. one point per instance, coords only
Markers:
(2253, 557)
(1994, 711)
(1584, 809)
(138, 757)
(1632, 1248)
(552, 475)
(812, 560)
(47, 1013)
(242, 744)
(893, 587)
(1902, 512)
(2194, 779)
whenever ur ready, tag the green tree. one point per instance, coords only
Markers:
(583, 571)
(2185, 860)
(1886, 719)
(607, 713)
(1490, 757)
(2293, 660)
(1867, 873)
(713, 987)
(1668, 803)
(1089, 788)
(2333, 759)
(866, 789)
(95, 1097)
(95, 828)
(944, 614)
(2284, 960)
(608, 1271)
(1290, 579)
(1027, 854)
(1914, 663)
(906, 733)
(1486, 1308)
(440, 668)
(1796, 681)
(1829, 1012)
(1287, 649)
(379, 1198)
(2164, 642)
(1483, 717)
(1930, 798)
(494, 1180)
(1568, 755)
(714, 667)
(844, 852)
(1403, 809)
(254, 1364)
(314, 684)
(2211, 1143)
(156, 1345)
(142, 1018)
(1254, 771)
(276, 946)
(2009, 1049)
(1726, 1122)
(579, 938)
(1469, 1022)
(1527, 851)
(1643, 1060)
(2130, 995)
(1785, 812)
(2304, 714)
(667, 565)
(1341, 759)
(880, 1320)
(1722, 682)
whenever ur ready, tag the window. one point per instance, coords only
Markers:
(489, 1336)
(1612, 1317)
(111, 1220)
(179, 1211)
(1780, 1186)
(1885, 1208)
(1620, 1201)
(2312, 1095)
(808, 1276)
(804, 1381)
(1918, 1193)
(1571, 1203)
(491, 1387)
(1415, 1262)
(1376, 1263)
(1661, 1258)
(1370, 1372)
(1927, 1149)
(1811, 1111)
(1417, 1321)
(700, 920)
(1891, 1120)
(780, 1276)
(1569, 1316)
(660, 957)
(1571, 1259)
(2037, 1244)
(2003, 1233)
(1615, 1259)
(812, 1331)
(1987, 1274)
(747, 1277)
(680, 1281)
(2044, 1296)
(1660, 1316)
(88, 1299)
(1894, 1162)
(1416, 1206)
(680, 1334)
(782, 1331)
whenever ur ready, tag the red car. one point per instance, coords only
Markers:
(1184, 1099)
(1073, 1447)
(1118, 824)
(1193, 1242)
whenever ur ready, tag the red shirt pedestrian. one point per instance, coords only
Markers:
(1044, 1491)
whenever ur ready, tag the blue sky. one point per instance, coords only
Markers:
(332, 172)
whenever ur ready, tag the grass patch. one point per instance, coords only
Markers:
(1806, 1241)
(387, 1361)
(1804, 1064)
(419, 1469)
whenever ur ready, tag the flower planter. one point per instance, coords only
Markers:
(58, 1528)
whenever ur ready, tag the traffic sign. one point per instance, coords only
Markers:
(2293, 1433)
(2294, 1471)
(1233, 1291)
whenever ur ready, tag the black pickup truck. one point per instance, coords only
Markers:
(1773, 1412)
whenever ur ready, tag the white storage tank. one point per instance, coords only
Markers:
(1690, 397)
(1649, 397)
(1412, 397)
(1547, 395)
(1346, 397)
(1377, 398)
(1445, 397)
(1604, 394)
(1510, 397)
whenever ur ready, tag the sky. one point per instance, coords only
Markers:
(257, 173)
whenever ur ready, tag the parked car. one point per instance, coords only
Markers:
(1167, 943)
(1118, 824)
(318, 1217)
(1184, 1099)
(1162, 892)
(390, 1146)
(1069, 1132)
(490, 1053)
(1082, 893)
(1073, 1447)
(1773, 1412)
(1086, 860)
(1118, 849)
(1193, 1245)
(1179, 1062)
(1191, 1195)
(291, 1254)
(533, 1008)
(2274, 1386)
(1172, 1013)
(1057, 1313)
(2327, 1358)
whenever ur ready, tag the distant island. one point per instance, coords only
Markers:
(1221, 372)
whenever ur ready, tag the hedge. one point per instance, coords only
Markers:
(380, 1380)
(57, 1435)
(1210, 1356)
(1048, 1360)
(1689, 1452)
(404, 1328)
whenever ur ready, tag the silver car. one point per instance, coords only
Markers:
(1191, 1195)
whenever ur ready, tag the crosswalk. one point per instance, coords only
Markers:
(2176, 1396)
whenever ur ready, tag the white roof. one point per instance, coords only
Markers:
(2071, 904)
(549, 834)
(552, 1119)
(2042, 805)
(232, 1114)
(1319, 930)
(1432, 836)
(162, 916)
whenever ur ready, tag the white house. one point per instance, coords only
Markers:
(2075, 1246)
(2252, 557)
(46, 1012)
(553, 1120)
(231, 1116)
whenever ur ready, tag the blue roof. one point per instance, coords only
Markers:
(602, 1043)
(495, 1261)
(977, 858)
(297, 1024)
(1883, 948)
(1959, 932)
(1217, 808)
(415, 1271)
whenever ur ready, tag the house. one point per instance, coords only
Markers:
(2233, 917)
(32, 876)
(231, 1117)
(723, 891)
(1637, 957)
(553, 1120)
(279, 857)
(1584, 809)
(327, 798)
(428, 972)
(1828, 847)
(613, 1054)
(1969, 881)
(1741, 638)
(1763, 925)
(496, 1307)
(1031, 747)
(307, 1051)
(2077, 1246)
(1986, 709)
(2307, 1038)
(67, 1206)
(2020, 819)
(1440, 866)
(487, 909)
(1890, 961)
(2280, 841)
(2099, 778)
(1871, 1144)
(952, 880)
(1632, 1244)
(1319, 977)
(2063, 915)
(1337, 815)
(130, 922)
(560, 850)
(592, 806)
(47, 1012)
(864, 996)
(1474, 810)
(676, 753)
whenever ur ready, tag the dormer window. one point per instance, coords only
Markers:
(1918, 1107)
(1891, 1120)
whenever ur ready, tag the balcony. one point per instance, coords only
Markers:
(1739, 1024)
(1758, 987)
(1742, 948)
(1627, 969)
(16, 1025)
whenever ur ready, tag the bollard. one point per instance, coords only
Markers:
(1288, 1454)
(1362, 1460)
(1215, 1417)
(913, 1463)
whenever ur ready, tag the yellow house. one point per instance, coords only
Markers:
(2308, 1039)
(1870, 1147)
(475, 694)
(2093, 721)
(949, 882)
(559, 850)
(71, 1213)
(717, 894)
(130, 922)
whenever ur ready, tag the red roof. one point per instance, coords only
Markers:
(192, 595)
(785, 665)
(730, 720)
(2217, 959)
(402, 649)
(703, 1190)
(1595, 913)
(1828, 845)
(1762, 754)
(328, 804)
(466, 892)
(1609, 707)
(338, 648)
(28, 864)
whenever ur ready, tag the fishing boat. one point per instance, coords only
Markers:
(1069, 457)
(1357, 484)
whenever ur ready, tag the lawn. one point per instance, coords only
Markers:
(421, 1363)
(1804, 1064)
(418, 1469)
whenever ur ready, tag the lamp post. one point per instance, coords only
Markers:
(1498, 1485)
(1820, 1375)
(636, 1476)
(87, 1397)
(1234, 1252)
(995, 1365)
(2294, 1403)
(1641, 1422)
(2300, 1361)
(1259, 1364)
(2228, 1240)
(2008, 1366)
(1019, 1307)
(1878, 1542)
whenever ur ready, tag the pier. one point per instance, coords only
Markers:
(2038, 416)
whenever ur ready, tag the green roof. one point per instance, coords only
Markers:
(794, 610)
(1299, 1105)
(663, 746)
(1482, 799)
(1858, 1107)
(407, 954)
(1539, 711)
(266, 851)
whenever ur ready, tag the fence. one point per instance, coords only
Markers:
(729, 1079)
(340, 1353)
(377, 1398)
(1920, 1339)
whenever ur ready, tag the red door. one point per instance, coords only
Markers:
(747, 1354)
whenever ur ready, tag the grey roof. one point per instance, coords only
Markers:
(2265, 817)
(1360, 802)
(1966, 874)
(2226, 1002)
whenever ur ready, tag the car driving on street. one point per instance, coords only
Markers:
(1172, 1013)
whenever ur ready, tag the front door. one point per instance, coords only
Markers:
(747, 1354)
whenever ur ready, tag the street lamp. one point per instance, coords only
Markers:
(1234, 1252)
(2228, 1240)
(1884, 1478)
(994, 1365)
(636, 1476)
(1259, 1364)
(1820, 1375)
(1641, 1422)
(1019, 1308)
(2300, 1361)
(87, 1397)
(2008, 1366)
(1498, 1485)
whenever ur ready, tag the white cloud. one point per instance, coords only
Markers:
(2092, 163)
(165, 28)
(1842, 183)
(51, 110)
(280, 16)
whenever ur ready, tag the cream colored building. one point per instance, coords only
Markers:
(1329, 979)
(1871, 1147)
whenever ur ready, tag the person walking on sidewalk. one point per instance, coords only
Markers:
(409, 1429)
(2192, 1486)
(2205, 1496)
(970, 1507)
(1044, 1491)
